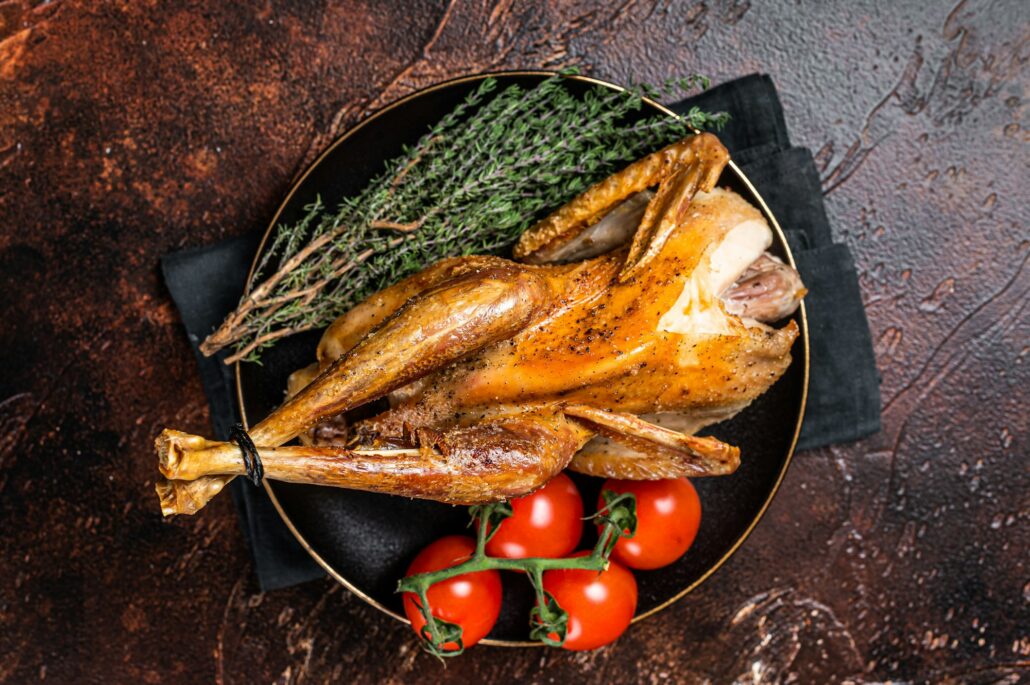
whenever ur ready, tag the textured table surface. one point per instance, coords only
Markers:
(127, 131)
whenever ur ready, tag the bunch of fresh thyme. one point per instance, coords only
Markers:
(471, 185)
(548, 621)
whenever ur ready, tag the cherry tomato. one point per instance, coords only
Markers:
(472, 600)
(546, 523)
(600, 605)
(668, 516)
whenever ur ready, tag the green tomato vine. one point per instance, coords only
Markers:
(548, 621)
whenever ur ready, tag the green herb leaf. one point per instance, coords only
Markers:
(472, 184)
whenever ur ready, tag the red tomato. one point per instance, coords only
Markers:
(546, 523)
(600, 605)
(668, 516)
(472, 600)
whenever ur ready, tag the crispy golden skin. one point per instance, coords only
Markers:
(500, 374)
(679, 170)
(496, 459)
(604, 346)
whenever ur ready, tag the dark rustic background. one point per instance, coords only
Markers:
(129, 130)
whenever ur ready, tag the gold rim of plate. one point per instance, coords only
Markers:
(336, 574)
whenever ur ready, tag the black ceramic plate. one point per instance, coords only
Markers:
(366, 541)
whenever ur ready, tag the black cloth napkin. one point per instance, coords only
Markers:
(844, 392)
(206, 284)
(844, 385)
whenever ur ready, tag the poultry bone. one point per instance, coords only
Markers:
(631, 319)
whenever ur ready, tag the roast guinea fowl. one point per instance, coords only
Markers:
(499, 373)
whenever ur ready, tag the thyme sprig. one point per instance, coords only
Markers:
(471, 184)
(548, 621)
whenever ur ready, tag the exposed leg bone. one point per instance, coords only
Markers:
(651, 452)
(491, 461)
(573, 334)
(188, 496)
(429, 332)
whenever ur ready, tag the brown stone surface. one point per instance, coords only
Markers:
(129, 130)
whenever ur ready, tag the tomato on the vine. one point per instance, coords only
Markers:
(546, 523)
(471, 600)
(600, 605)
(668, 517)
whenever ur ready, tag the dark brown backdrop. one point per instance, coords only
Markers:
(127, 131)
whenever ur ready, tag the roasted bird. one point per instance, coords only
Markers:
(631, 319)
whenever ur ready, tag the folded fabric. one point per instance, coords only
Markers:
(844, 386)
(843, 397)
(206, 284)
